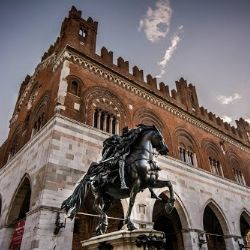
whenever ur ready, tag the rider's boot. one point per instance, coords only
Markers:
(121, 173)
(154, 195)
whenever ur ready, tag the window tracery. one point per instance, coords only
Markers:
(186, 147)
(239, 178)
(104, 110)
(38, 124)
(105, 121)
(38, 115)
(186, 155)
(214, 157)
(215, 166)
(238, 175)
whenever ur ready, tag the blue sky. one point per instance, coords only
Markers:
(206, 42)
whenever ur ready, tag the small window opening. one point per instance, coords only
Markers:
(82, 33)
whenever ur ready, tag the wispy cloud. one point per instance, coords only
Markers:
(169, 52)
(155, 23)
(226, 118)
(228, 99)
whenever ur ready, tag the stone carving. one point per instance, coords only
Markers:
(127, 167)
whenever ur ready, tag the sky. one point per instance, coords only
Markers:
(207, 42)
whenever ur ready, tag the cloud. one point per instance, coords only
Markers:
(155, 23)
(226, 118)
(228, 99)
(169, 52)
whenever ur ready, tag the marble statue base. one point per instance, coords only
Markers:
(123, 240)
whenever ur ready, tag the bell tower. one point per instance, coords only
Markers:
(78, 32)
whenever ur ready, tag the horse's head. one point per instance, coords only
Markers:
(158, 142)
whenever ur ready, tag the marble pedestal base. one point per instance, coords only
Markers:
(119, 240)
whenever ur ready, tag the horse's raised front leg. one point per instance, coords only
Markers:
(170, 202)
(133, 193)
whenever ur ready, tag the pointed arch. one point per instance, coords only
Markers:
(103, 109)
(174, 224)
(180, 207)
(244, 224)
(246, 214)
(213, 158)
(186, 147)
(236, 167)
(214, 206)
(20, 202)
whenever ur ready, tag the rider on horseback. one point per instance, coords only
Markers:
(117, 148)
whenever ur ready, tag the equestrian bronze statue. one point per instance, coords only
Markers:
(127, 167)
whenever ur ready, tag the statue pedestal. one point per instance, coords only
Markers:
(124, 240)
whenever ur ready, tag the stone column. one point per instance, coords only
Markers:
(99, 119)
(192, 240)
(232, 243)
(105, 122)
(110, 124)
(117, 126)
(195, 160)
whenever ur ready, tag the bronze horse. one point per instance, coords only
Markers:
(141, 172)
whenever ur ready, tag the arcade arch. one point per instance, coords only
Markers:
(172, 225)
(245, 228)
(20, 203)
(215, 226)
(19, 207)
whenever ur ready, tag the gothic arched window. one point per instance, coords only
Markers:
(214, 161)
(105, 121)
(238, 175)
(104, 111)
(187, 149)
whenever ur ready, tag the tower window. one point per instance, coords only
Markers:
(82, 33)
(74, 88)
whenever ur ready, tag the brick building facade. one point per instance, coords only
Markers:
(72, 102)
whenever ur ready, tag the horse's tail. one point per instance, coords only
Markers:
(75, 200)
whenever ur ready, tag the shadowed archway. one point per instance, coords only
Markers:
(19, 207)
(20, 204)
(215, 227)
(171, 224)
(245, 228)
